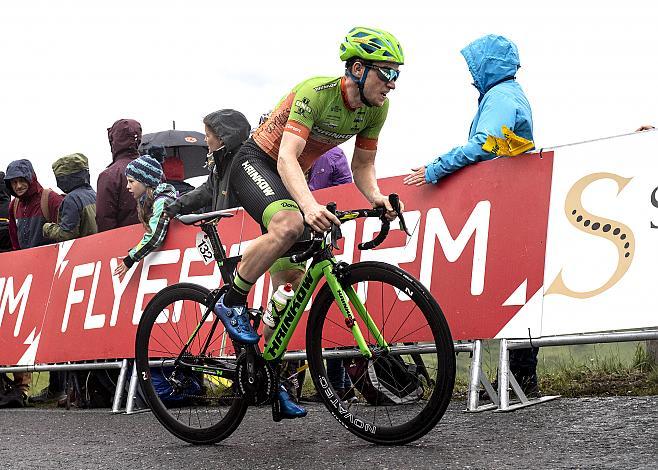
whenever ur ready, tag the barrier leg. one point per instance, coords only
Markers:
(132, 389)
(503, 376)
(506, 379)
(121, 383)
(477, 378)
(476, 365)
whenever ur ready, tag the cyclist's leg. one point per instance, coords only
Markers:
(259, 189)
(283, 230)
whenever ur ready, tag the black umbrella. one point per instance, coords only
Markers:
(189, 146)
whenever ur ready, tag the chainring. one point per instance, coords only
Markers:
(262, 389)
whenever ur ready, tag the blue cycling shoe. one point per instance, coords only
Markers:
(284, 407)
(236, 321)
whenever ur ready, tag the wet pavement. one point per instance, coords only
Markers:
(617, 432)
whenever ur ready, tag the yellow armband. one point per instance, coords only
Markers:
(510, 145)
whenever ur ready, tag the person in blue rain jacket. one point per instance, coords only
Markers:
(493, 62)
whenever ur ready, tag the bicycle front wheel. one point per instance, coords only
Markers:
(189, 388)
(402, 392)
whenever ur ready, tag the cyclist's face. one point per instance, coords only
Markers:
(214, 142)
(135, 187)
(375, 88)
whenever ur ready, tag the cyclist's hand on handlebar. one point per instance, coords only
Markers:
(382, 201)
(319, 218)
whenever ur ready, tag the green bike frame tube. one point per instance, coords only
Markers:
(290, 317)
(343, 304)
(365, 316)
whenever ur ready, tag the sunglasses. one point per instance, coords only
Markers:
(385, 74)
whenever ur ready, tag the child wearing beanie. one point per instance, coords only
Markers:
(145, 178)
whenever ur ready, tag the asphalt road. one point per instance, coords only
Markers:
(566, 433)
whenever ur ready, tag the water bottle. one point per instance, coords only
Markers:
(277, 304)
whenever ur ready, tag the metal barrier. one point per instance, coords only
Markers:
(121, 364)
(500, 399)
(505, 378)
(301, 355)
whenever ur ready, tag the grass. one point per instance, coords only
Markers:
(613, 369)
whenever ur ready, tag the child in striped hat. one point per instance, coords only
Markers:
(145, 177)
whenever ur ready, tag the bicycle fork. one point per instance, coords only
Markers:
(345, 295)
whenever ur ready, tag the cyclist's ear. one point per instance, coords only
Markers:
(357, 69)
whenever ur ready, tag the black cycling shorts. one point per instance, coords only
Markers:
(256, 184)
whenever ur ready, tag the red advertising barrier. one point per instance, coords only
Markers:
(477, 237)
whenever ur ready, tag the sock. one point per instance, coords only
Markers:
(238, 292)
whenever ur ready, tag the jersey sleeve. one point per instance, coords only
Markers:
(304, 110)
(154, 237)
(367, 138)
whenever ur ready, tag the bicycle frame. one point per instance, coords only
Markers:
(289, 318)
(322, 266)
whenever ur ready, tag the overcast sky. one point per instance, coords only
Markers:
(69, 69)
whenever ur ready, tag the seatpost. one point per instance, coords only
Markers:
(218, 250)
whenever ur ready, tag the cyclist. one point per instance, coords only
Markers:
(267, 173)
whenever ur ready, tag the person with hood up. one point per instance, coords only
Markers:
(115, 206)
(493, 62)
(5, 241)
(31, 208)
(77, 214)
(226, 130)
(144, 177)
(173, 168)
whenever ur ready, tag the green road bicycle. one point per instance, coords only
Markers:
(367, 310)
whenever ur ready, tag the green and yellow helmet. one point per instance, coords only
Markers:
(371, 44)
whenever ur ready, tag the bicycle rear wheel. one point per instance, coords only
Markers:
(195, 405)
(395, 406)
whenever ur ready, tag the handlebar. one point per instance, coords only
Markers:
(343, 216)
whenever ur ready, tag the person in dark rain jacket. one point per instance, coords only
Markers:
(115, 206)
(31, 208)
(77, 214)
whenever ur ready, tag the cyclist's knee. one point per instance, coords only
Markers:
(288, 226)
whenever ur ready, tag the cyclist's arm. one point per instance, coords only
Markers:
(315, 215)
(291, 173)
(363, 169)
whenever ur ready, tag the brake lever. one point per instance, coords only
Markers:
(394, 199)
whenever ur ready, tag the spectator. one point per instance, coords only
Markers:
(5, 241)
(77, 214)
(6, 385)
(229, 129)
(144, 176)
(174, 171)
(76, 218)
(115, 207)
(332, 169)
(493, 62)
(31, 208)
(175, 175)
